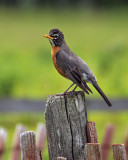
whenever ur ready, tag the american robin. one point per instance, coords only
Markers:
(70, 65)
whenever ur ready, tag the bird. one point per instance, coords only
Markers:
(70, 66)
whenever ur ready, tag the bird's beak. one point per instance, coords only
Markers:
(49, 37)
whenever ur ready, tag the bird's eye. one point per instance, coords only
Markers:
(55, 36)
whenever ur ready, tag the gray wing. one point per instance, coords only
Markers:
(71, 66)
(86, 74)
(78, 72)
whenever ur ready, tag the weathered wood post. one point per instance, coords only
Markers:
(119, 152)
(91, 132)
(66, 120)
(93, 151)
(28, 146)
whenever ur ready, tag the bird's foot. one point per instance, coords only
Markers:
(67, 93)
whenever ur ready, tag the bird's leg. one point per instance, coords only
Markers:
(69, 88)
(74, 88)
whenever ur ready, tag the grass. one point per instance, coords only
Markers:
(100, 37)
(119, 119)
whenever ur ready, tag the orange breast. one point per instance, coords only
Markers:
(54, 51)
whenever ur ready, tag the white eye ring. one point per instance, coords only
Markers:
(55, 36)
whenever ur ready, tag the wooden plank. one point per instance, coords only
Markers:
(3, 135)
(119, 152)
(41, 138)
(28, 146)
(107, 141)
(15, 154)
(93, 151)
(91, 132)
(66, 120)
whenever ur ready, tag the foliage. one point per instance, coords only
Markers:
(100, 37)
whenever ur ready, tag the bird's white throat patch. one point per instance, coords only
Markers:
(52, 42)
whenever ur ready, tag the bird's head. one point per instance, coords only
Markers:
(55, 37)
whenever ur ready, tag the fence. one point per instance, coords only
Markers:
(66, 120)
(93, 150)
(41, 136)
(15, 150)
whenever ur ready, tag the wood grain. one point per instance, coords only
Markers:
(66, 119)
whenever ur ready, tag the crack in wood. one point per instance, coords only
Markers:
(66, 119)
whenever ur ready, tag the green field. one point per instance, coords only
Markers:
(119, 119)
(100, 37)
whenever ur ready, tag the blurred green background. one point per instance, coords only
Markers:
(95, 30)
(100, 37)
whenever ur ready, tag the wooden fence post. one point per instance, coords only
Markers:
(15, 155)
(119, 152)
(91, 132)
(107, 140)
(41, 137)
(2, 141)
(66, 119)
(93, 151)
(28, 146)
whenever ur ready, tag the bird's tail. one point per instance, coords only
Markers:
(102, 94)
